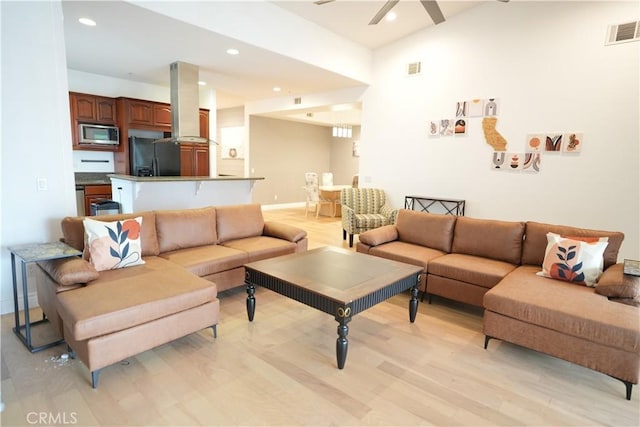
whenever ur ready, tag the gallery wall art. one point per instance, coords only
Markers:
(536, 143)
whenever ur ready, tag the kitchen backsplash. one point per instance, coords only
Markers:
(93, 161)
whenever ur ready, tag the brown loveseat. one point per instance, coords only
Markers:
(493, 264)
(190, 255)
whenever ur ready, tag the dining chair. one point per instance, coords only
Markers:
(313, 193)
(327, 179)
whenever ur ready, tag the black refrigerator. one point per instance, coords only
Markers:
(149, 158)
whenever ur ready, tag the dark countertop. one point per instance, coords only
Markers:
(91, 178)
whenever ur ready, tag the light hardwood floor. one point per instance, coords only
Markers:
(280, 371)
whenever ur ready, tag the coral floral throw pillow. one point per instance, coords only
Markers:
(113, 244)
(577, 260)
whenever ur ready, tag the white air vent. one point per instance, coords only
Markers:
(622, 33)
(414, 68)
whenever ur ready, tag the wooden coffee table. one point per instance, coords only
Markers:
(335, 281)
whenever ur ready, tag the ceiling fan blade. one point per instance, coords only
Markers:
(382, 12)
(321, 2)
(433, 10)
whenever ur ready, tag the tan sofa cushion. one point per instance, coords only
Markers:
(471, 269)
(615, 284)
(206, 260)
(73, 231)
(70, 271)
(425, 229)
(186, 228)
(499, 240)
(239, 221)
(283, 231)
(560, 306)
(124, 302)
(378, 236)
(262, 247)
(407, 253)
(535, 241)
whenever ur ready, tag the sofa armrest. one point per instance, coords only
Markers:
(380, 235)
(390, 213)
(70, 271)
(613, 283)
(283, 231)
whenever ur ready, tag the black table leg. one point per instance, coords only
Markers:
(251, 301)
(342, 344)
(413, 304)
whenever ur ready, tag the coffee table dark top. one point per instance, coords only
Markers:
(334, 273)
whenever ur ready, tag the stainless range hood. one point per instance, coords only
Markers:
(185, 116)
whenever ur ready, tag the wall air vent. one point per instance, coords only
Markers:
(622, 33)
(297, 101)
(414, 68)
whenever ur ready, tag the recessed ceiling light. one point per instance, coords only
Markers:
(201, 83)
(277, 89)
(87, 21)
(233, 51)
(391, 16)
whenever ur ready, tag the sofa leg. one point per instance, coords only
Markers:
(486, 341)
(215, 330)
(94, 378)
(72, 354)
(350, 240)
(344, 234)
(628, 386)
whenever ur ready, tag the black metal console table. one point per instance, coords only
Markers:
(433, 205)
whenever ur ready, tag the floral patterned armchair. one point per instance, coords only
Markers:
(364, 209)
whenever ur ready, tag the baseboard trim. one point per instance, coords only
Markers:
(283, 206)
(7, 304)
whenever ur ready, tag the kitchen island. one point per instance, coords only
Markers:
(143, 193)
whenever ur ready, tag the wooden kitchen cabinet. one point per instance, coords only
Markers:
(194, 159)
(139, 112)
(162, 115)
(149, 114)
(204, 123)
(94, 192)
(92, 109)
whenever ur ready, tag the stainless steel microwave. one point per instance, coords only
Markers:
(98, 134)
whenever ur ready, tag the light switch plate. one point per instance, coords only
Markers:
(42, 184)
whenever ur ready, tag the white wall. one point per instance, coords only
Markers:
(547, 63)
(36, 133)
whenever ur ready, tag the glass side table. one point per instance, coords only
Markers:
(33, 252)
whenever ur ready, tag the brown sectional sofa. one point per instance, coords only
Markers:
(493, 264)
(190, 255)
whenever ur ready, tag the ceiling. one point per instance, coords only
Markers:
(134, 43)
